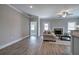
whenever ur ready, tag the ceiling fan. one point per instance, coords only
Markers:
(64, 13)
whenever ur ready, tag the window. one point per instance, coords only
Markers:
(32, 27)
(71, 26)
(46, 26)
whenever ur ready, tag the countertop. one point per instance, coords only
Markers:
(75, 33)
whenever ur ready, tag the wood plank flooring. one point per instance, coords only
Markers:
(35, 46)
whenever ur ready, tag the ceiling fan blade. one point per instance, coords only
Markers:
(70, 14)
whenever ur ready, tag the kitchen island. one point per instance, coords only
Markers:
(75, 42)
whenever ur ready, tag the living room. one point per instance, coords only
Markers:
(38, 29)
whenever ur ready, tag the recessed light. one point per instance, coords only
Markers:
(31, 6)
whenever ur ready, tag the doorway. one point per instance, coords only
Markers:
(33, 28)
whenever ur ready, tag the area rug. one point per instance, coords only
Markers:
(48, 48)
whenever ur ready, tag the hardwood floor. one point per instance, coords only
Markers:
(35, 46)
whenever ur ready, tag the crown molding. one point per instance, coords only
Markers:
(14, 8)
(18, 10)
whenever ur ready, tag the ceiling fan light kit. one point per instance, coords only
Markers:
(64, 13)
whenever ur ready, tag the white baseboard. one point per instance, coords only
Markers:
(8, 44)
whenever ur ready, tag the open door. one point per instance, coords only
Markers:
(33, 28)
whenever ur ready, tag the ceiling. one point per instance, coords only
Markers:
(47, 10)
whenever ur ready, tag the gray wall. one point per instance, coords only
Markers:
(13, 25)
(55, 23)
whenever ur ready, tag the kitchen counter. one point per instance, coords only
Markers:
(75, 34)
(75, 42)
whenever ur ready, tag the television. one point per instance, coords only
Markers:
(58, 31)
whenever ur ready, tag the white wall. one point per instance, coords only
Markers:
(54, 23)
(13, 25)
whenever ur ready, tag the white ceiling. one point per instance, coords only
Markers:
(47, 10)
